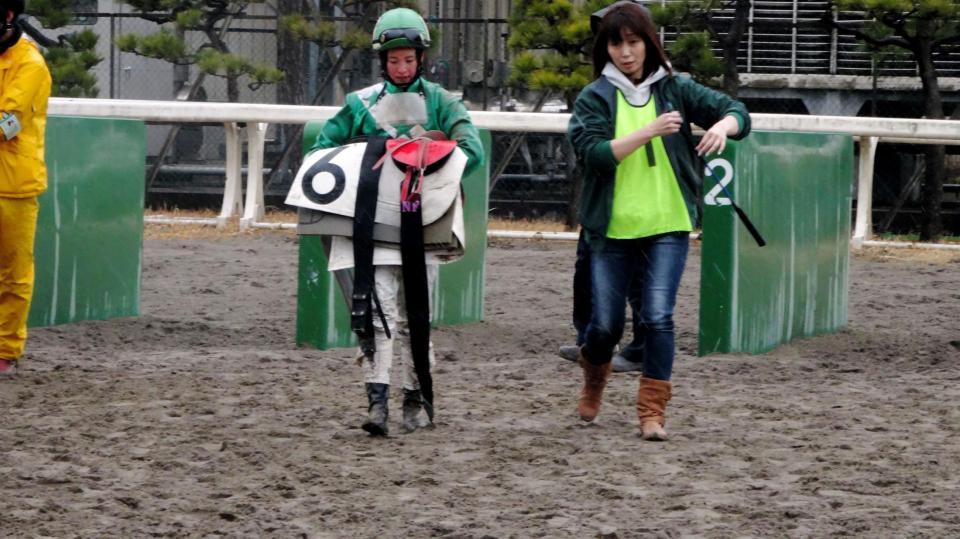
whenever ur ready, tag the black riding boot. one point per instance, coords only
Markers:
(378, 396)
(414, 416)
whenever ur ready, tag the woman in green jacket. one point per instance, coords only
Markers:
(403, 105)
(631, 128)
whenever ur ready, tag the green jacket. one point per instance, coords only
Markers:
(445, 113)
(592, 128)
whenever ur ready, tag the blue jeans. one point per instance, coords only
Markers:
(583, 303)
(657, 264)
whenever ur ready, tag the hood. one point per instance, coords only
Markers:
(636, 94)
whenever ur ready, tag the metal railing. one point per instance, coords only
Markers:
(869, 132)
(788, 37)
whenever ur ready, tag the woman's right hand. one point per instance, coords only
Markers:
(667, 123)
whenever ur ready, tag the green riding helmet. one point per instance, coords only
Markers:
(400, 28)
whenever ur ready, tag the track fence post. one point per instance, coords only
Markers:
(254, 207)
(863, 230)
(232, 190)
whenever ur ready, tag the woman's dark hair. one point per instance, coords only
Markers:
(636, 19)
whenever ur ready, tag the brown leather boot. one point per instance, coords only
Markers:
(594, 381)
(651, 404)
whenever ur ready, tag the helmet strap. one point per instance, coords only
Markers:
(15, 32)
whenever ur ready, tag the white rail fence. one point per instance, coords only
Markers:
(869, 132)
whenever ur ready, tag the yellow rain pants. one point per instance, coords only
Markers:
(18, 226)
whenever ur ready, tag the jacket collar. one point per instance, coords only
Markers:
(9, 43)
(635, 94)
(414, 86)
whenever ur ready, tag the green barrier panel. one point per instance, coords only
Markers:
(323, 320)
(90, 227)
(796, 189)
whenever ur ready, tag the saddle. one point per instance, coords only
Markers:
(418, 157)
(442, 205)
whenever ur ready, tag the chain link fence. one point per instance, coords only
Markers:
(788, 62)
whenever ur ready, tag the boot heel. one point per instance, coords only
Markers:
(378, 414)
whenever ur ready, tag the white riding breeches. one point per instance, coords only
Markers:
(389, 286)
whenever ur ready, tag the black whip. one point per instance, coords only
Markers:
(740, 213)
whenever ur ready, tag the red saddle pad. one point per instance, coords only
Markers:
(420, 153)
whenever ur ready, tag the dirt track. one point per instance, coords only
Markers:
(200, 418)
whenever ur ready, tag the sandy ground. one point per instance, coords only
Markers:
(201, 418)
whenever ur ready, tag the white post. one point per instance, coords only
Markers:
(863, 230)
(793, 41)
(750, 40)
(253, 210)
(232, 202)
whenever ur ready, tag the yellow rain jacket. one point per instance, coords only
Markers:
(24, 89)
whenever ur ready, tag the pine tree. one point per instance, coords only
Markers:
(699, 26)
(923, 28)
(211, 18)
(552, 40)
(71, 56)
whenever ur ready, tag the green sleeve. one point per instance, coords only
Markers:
(337, 130)
(705, 107)
(456, 123)
(741, 121)
(590, 133)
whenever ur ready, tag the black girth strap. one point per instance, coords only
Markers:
(364, 291)
(415, 284)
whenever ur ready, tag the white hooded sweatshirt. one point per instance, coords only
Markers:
(635, 94)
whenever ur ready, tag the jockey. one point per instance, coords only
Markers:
(402, 105)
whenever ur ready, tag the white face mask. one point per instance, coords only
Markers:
(402, 109)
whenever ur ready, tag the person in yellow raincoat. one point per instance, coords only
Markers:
(24, 89)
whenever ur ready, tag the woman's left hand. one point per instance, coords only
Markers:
(715, 139)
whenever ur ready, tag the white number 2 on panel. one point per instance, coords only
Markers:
(717, 165)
